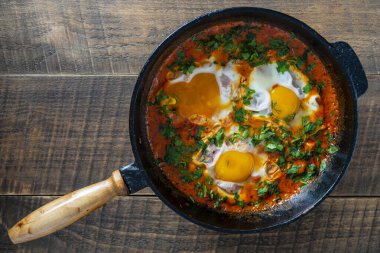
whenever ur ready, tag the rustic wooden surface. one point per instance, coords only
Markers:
(140, 223)
(67, 70)
(118, 36)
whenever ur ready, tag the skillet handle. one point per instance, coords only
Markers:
(134, 177)
(67, 209)
(349, 60)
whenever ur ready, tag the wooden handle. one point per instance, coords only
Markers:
(67, 209)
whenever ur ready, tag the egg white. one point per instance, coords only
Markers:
(308, 107)
(262, 80)
(227, 78)
(212, 154)
(264, 77)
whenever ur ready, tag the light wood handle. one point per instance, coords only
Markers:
(67, 209)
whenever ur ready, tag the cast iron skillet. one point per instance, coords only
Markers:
(349, 77)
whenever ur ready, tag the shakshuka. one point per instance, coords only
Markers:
(241, 116)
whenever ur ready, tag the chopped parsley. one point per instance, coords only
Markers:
(269, 188)
(197, 174)
(310, 172)
(272, 147)
(219, 200)
(248, 95)
(295, 152)
(175, 154)
(309, 68)
(199, 131)
(237, 201)
(293, 170)
(203, 191)
(307, 88)
(299, 63)
(242, 134)
(247, 49)
(160, 96)
(250, 51)
(282, 66)
(323, 166)
(280, 46)
(281, 161)
(265, 134)
(239, 116)
(218, 138)
(331, 137)
(319, 121)
(245, 134)
(310, 127)
(333, 149)
(186, 66)
(167, 131)
(320, 86)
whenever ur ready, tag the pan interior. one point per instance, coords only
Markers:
(299, 204)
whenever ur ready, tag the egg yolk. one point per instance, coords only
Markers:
(284, 102)
(234, 166)
(200, 96)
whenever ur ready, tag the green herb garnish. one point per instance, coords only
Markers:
(218, 138)
(237, 201)
(186, 66)
(272, 147)
(310, 67)
(293, 170)
(239, 116)
(248, 95)
(323, 166)
(282, 66)
(269, 188)
(280, 45)
(307, 88)
(333, 149)
(167, 131)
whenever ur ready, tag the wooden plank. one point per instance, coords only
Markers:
(78, 36)
(58, 129)
(144, 224)
(60, 133)
(362, 173)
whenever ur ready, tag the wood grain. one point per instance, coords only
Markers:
(144, 224)
(79, 36)
(67, 71)
(59, 129)
(61, 133)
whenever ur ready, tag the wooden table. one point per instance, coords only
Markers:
(67, 70)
